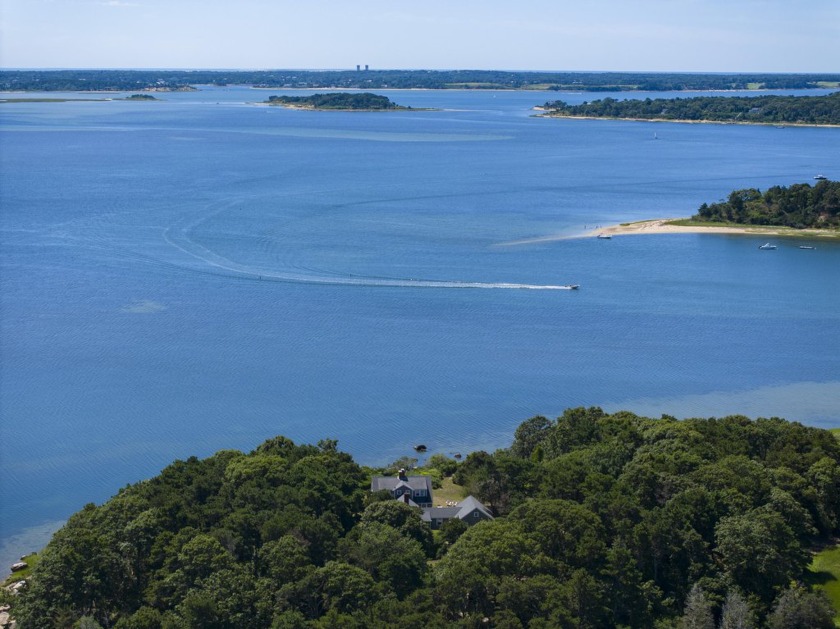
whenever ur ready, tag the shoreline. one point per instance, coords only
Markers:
(668, 226)
(664, 226)
(313, 108)
(781, 125)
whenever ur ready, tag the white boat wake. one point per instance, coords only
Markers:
(178, 236)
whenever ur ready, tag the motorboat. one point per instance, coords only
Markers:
(820, 177)
(806, 247)
(767, 245)
(604, 236)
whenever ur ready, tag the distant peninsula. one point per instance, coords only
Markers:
(798, 210)
(776, 110)
(341, 101)
(133, 97)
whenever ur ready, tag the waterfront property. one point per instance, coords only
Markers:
(469, 511)
(416, 491)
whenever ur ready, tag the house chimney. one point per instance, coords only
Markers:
(401, 474)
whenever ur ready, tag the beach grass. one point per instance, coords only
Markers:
(687, 222)
(32, 560)
(775, 230)
(824, 575)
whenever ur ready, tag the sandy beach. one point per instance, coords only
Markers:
(667, 226)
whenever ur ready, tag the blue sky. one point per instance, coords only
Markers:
(645, 35)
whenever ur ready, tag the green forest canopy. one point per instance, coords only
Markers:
(739, 109)
(800, 206)
(603, 520)
(121, 80)
(337, 100)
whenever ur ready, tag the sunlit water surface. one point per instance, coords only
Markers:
(202, 272)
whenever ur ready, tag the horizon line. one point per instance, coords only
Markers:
(530, 71)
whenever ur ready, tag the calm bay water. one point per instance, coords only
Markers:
(202, 273)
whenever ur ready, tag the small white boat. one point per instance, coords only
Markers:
(604, 236)
(572, 286)
(806, 247)
(820, 177)
(767, 245)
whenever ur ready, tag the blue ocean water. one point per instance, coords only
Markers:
(203, 272)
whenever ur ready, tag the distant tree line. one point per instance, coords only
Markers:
(337, 100)
(743, 109)
(603, 520)
(122, 80)
(800, 206)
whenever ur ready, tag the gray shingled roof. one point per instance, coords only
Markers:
(406, 500)
(469, 504)
(440, 513)
(392, 482)
(460, 511)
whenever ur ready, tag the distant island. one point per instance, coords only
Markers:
(778, 110)
(343, 101)
(169, 80)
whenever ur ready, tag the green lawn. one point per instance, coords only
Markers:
(825, 574)
(448, 491)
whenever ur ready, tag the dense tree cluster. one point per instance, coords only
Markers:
(799, 206)
(603, 521)
(741, 109)
(337, 100)
(74, 80)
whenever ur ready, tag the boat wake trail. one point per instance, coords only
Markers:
(179, 236)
